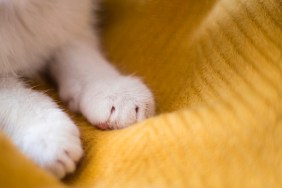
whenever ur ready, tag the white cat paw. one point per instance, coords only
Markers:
(116, 103)
(54, 144)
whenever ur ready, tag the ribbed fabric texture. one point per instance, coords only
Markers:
(216, 70)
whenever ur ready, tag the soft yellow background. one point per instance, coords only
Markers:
(215, 67)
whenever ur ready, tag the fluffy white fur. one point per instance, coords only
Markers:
(31, 32)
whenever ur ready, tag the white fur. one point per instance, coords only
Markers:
(38, 127)
(31, 32)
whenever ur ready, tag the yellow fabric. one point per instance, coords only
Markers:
(215, 67)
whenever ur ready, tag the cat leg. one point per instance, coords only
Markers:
(41, 130)
(92, 86)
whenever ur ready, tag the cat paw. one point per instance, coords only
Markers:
(54, 144)
(116, 103)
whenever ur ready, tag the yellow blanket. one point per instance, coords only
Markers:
(215, 67)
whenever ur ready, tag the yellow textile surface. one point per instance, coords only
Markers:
(215, 67)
